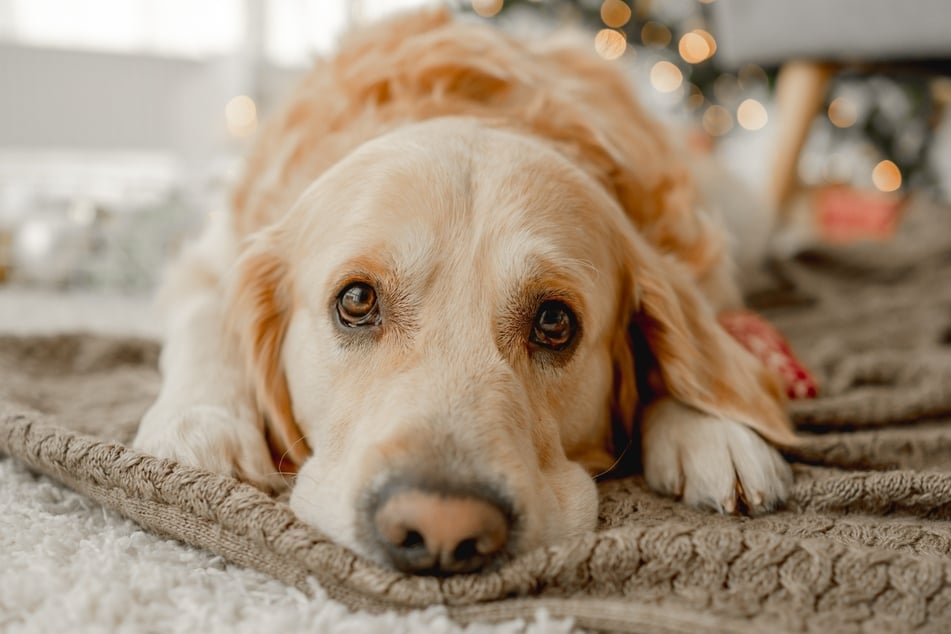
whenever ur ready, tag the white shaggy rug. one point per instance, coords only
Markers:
(68, 565)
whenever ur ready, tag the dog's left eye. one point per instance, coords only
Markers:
(554, 326)
(357, 305)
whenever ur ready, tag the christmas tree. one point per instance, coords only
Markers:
(870, 117)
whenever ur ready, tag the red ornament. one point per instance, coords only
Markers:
(769, 346)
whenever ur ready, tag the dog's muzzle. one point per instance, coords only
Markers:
(425, 529)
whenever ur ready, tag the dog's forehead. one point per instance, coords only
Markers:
(468, 183)
(453, 196)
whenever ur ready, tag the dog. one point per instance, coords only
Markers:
(462, 274)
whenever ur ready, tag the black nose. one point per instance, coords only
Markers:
(429, 532)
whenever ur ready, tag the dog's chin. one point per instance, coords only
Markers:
(577, 511)
(325, 506)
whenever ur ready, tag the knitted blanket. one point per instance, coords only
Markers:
(864, 544)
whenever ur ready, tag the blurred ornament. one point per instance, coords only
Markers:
(47, 249)
(845, 214)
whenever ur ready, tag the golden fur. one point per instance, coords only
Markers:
(465, 174)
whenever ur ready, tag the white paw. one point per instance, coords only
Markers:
(710, 462)
(210, 438)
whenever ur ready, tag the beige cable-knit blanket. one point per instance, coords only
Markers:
(864, 545)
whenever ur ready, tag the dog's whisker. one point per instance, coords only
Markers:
(616, 462)
(287, 452)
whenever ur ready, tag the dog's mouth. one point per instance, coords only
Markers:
(437, 527)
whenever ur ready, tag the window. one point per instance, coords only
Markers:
(185, 28)
(290, 31)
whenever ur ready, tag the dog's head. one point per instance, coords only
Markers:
(447, 316)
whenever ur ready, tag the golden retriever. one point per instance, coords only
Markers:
(461, 273)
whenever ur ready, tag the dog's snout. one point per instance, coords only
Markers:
(430, 532)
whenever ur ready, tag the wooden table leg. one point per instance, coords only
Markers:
(800, 91)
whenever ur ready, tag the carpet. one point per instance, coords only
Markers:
(864, 544)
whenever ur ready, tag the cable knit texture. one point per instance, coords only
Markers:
(864, 544)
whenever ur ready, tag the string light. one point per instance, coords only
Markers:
(752, 115)
(615, 13)
(487, 8)
(697, 46)
(610, 44)
(655, 34)
(241, 115)
(717, 121)
(708, 38)
(695, 98)
(751, 75)
(666, 77)
(726, 88)
(842, 112)
(886, 176)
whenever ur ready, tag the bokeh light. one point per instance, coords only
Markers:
(36, 239)
(842, 112)
(726, 88)
(694, 48)
(487, 8)
(695, 98)
(886, 176)
(712, 43)
(241, 116)
(666, 77)
(751, 75)
(610, 44)
(752, 115)
(615, 13)
(717, 121)
(655, 35)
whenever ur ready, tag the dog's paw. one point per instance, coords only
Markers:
(210, 438)
(710, 462)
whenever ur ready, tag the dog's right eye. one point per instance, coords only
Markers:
(554, 326)
(357, 306)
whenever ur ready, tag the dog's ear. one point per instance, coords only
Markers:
(680, 349)
(259, 309)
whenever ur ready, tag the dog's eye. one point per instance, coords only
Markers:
(356, 305)
(554, 326)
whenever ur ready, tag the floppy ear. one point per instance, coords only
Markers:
(697, 361)
(259, 311)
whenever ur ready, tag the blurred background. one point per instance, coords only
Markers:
(123, 121)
